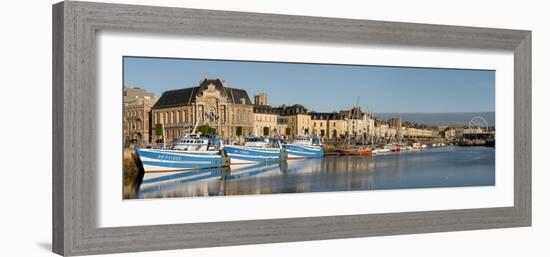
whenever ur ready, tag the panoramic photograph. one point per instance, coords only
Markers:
(202, 128)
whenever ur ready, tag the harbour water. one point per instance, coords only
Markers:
(428, 168)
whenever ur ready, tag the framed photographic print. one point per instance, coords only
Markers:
(183, 128)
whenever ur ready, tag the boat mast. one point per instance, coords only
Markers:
(356, 119)
(163, 137)
(195, 127)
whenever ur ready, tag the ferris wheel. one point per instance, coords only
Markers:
(478, 122)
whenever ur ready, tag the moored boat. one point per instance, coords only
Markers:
(380, 150)
(355, 151)
(304, 147)
(256, 150)
(156, 160)
(189, 152)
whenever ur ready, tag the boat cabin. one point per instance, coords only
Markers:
(306, 140)
(262, 142)
(191, 142)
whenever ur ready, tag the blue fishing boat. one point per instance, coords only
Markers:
(304, 147)
(256, 150)
(189, 152)
(156, 160)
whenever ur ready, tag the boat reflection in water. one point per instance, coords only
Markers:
(203, 182)
(435, 167)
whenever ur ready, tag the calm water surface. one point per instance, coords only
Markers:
(434, 167)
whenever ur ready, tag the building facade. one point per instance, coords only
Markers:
(265, 121)
(329, 125)
(395, 123)
(137, 115)
(420, 133)
(228, 110)
(359, 124)
(282, 126)
(299, 121)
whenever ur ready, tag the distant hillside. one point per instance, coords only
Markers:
(454, 118)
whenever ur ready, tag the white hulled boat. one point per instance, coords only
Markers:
(189, 152)
(304, 147)
(256, 150)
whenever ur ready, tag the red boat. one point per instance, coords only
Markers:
(396, 149)
(355, 151)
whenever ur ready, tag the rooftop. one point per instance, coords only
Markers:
(187, 96)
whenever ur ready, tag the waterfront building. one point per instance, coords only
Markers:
(265, 117)
(282, 126)
(420, 133)
(133, 93)
(299, 121)
(359, 124)
(226, 109)
(381, 131)
(338, 128)
(395, 123)
(329, 125)
(137, 115)
(450, 133)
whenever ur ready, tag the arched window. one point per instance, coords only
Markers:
(184, 118)
(177, 116)
(212, 115)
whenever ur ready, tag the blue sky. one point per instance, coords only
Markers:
(326, 88)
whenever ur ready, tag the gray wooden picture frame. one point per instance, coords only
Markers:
(75, 25)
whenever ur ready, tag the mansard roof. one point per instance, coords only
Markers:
(187, 96)
(265, 109)
(353, 112)
(294, 109)
(325, 116)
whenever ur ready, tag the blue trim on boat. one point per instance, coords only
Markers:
(251, 154)
(175, 184)
(177, 165)
(174, 159)
(173, 181)
(304, 151)
(253, 171)
(180, 175)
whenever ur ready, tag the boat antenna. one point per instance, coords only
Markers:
(195, 127)
(357, 109)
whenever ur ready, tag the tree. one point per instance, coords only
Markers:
(158, 129)
(206, 130)
(239, 131)
(266, 131)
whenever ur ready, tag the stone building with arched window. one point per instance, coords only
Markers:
(137, 115)
(210, 103)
